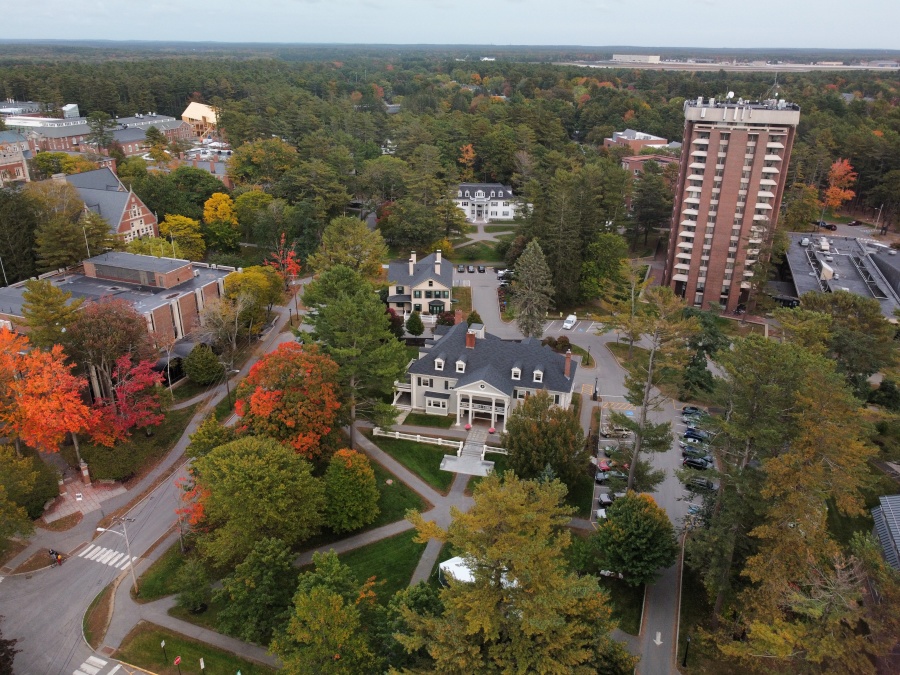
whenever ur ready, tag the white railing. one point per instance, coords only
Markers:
(491, 448)
(377, 431)
(482, 406)
(462, 282)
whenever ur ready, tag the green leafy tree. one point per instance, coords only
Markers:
(532, 291)
(47, 312)
(157, 146)
(408, 224)
(414, 325)
(186, 233)
(261, 163)
(63, 243)
(348, 241)
(325, 632)
(249, 209)
(261, 287)
(423, 600)
(474, 317)
(652, 202)
(18, 479)
(156, 246)
(258, 593)
(802, 208)
(193, 586)
(702, 345)
(623, 310)
(355, 331)
(351, 492)
(602, 266)
(256, 487)
(524, 611)
(203, 366)
(540, 434)
(20, 215)
(636, 539)
(209, 436)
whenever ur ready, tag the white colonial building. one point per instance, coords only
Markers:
(423, 286)
(474, 375)
(486, 201)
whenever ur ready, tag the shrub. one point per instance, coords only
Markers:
(446, 319)
(202, 365)
(414, 324)
(474, 318)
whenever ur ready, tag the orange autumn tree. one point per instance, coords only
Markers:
(840, 177)
(291, 395)
(467, 159)
(42, 400)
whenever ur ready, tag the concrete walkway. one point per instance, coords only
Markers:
(481, 235)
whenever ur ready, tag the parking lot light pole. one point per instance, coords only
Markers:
(687, 648)
(124, 533)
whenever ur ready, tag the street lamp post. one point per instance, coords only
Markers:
(596, 381)
(124, 533)
(590, 363)
(5, 282)
(687, 648)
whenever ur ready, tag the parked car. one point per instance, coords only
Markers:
(830, 226)
(460, 268)
(693, 410)
(470, 268)
(609, 431)
(603, 476)
(504, 283)
(700, 452)
(697, 462)
(854, 223)
(481, 268)
(698, 434)
(698, 484)
(605, 499)
(570, 322)
(601, 514)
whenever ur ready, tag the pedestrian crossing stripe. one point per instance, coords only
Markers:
(587, 389)
(616, 405)
(91, 666)
(107, 556)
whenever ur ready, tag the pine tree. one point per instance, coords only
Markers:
(414, 325)
(532, 291)
(474, 317)
(47, 312)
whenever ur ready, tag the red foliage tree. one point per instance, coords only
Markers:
(135, 403)
(42, 401)
(291, 395)
(284, 259)
(840, 177)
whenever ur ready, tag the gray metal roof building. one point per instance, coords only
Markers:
(887, 528)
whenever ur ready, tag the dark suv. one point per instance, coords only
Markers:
(697, 434)
(702, 463)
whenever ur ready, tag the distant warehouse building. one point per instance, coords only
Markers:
(635, 58)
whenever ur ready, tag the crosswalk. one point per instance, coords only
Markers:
(93, 665)
(617, 405)
(107, 556)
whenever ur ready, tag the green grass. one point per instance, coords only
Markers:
(188, 389)
(157, 581)
(208, 618)
(412, 352)
(627, 603)
(464, 295)
(131, 457)
(587, 361)
(141, 648)
(477, 252)
(580, 495)
(422, 420)
(422, 459)
(499, 228)
(225, 408)
(391, 561)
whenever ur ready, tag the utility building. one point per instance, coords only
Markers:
(733, 169)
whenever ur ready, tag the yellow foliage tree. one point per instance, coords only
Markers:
(186, 233)
(220, 209)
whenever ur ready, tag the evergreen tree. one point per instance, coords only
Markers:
(532, 291)
(414, 325)
(474, 317)
(348, 241)
(652, 202)
(203, 366)
(47, 312)
(351, 492)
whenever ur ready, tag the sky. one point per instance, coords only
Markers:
(675, 23)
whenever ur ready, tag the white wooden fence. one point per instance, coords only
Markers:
(457, 445)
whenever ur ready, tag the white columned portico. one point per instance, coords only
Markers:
(493, 412)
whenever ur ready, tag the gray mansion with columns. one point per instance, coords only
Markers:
(474, 375)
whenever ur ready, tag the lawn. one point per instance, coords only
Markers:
(420, 458)
(158, 580)
(225, 408)
(464, 295)
(208, 618)
(477, 252)
(391, 561)
(137, 453)
(412, 352)
(423, 420)
(499, 228)
(627, 601)
(188, 389)
(141, 648)
(587, 361)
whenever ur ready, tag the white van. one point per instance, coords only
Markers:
(570, 322)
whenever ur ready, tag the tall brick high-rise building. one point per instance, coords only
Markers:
(733, 168)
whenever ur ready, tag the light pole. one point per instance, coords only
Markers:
(590, 363)
(124, 533)
(5, 282)
(687, 648)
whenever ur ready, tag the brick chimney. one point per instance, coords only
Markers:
(212, 167)
(437, 262)
(412, 263)
(195, 162)
(470, 339)
(458, 317)
(568, 371)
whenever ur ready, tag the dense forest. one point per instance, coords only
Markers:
(311, 132)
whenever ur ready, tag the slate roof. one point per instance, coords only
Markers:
(887, 527)
(492, 361)
(133, 261)
(423, 270)
(103, 193)
(11, 137)
(502, 191)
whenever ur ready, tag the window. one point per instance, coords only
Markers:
(538, 376)
(516, 374)
(439, 364)
(493, 213)
(428, 295)
(417, 294)
(444, 294)
(430, 282)
(505, 203)
(465, 203)
(521, 393)
(506, 213)
(424, 381)
(460, 366)
(417, 308)
(432, 403)
(556, 399)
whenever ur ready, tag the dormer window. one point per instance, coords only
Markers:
(460, 366)
(517, 373)
(459, 193)
(538, 376)
(439, 364)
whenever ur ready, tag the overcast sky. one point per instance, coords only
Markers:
(677, 23)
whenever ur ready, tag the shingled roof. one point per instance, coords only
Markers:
(103, 193)
(423, 270)
(493, 359)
